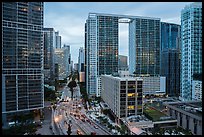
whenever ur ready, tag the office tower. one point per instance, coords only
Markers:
(122, 62)
(58, 40)
(67, 59)
(63, 59)
(169, 34)
(170, 57)
(123, 95)
(59, 59)
(101, 49)
(191, 51)
(101, 32)
(22, 58)
(49, 44)
(144, 46)
(81, 59)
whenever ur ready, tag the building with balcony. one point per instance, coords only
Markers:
(191, 47)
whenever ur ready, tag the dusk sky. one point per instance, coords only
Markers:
(69, 18)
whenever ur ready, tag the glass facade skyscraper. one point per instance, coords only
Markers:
(170, 57)
(22, 57)
(81, 59)
(101, 32)
(191, 42)
(144, 46)
(101, 49)
(49, 44)
(58, 40)
(169, 34)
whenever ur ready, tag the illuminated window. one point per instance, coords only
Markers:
(139, 107)
(131, 107)
(131, 94)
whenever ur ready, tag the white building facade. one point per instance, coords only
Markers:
(123, 95)
(154, 85)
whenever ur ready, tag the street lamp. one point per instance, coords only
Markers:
(56, 119)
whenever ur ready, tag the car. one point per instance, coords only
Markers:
(79, 132)
(93, 133)
(95, 127)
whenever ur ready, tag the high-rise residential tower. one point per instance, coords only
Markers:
(101, 32)
(49, 44)
(170, 57)
(81, 59)
(144, 46)
(191, 47)
(102, 49)
(22, 58)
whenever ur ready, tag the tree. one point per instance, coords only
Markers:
(71, 85)
(69, 131)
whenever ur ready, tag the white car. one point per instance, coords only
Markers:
(95, 127)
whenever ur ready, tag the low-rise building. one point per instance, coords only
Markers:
(154, 85)
(188, 115)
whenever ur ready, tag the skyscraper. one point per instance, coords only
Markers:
(67, 59)
(102, 49)
(49, 44)
(191, 51)
(22, 58)
(58, 40)
(144, 46)
(170, 57)
(101, 32)
(81, 59)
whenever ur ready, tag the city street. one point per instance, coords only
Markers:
(45, 129)
(73, 111)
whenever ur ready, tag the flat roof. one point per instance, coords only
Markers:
(124, 16)
(192, 107)
(124, 78)
(136, 131)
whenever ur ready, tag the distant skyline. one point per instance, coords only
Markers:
(69, 18)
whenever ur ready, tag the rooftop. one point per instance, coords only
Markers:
(122, 16)
(192, 107)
